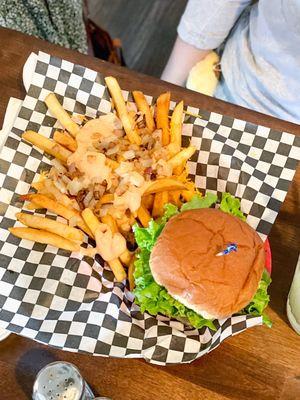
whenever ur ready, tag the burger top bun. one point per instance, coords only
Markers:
(184, 260)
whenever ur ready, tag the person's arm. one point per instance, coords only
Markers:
(183, 57)
(203, 27)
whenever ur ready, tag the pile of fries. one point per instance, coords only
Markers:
(108, 174)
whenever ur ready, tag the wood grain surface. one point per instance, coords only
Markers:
(260, 363)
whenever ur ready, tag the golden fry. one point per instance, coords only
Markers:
(144, 216)
(117, 269)
(93, 223)
(164, 184)
(111, 222)
(187, 194)
(160, 199)
(174, 197)
(126, 257)
(40, 236)
(176, 126)
(162, 116)
(43, 201)
(50, 225)
(181, 158)
(147, 201)
(63, 117)
(47, 145)
(65, 140)
(143, 106)
(119, 103)
(131, 275)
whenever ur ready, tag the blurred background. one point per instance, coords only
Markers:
(147, 29)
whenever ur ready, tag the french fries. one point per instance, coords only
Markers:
(127, 121)
(163, 185)
(162, 116)
(50, 225)
(66, 140)
(41, 236)
(144, 159)
(48, 188)
(147, 201)
(63, 117)
(131, 274)
(181, 158)
(143, 106)
(47, 145)
(160, 199)
(43, 201)
(174, 197)
(144, 216)
(176, 127)
(125, 257)
(93, 223)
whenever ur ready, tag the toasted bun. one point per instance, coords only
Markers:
(184, 261)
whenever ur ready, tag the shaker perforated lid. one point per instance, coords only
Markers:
(61, 381)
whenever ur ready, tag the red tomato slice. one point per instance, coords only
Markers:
(268, 256)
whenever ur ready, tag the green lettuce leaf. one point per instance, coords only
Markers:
(154, 298)
(198, 201)
(260, 300)
(231, 205)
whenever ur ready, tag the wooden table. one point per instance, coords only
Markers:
(261, 363)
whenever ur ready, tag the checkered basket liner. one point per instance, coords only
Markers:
(72, 302)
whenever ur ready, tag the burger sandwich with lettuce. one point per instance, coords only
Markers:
(201, 263)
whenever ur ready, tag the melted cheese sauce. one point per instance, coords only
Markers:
(87, 159)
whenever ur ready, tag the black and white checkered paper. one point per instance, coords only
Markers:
(55, 297)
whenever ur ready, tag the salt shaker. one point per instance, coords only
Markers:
(293, 301)
(62, 381)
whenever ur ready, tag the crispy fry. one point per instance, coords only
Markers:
(43, 201)
(63, 117)
(147, 201)
(176, 126)
(162, 119)
(181, 158)
(163, 184)
(93, 223)
(65, 140)
(131, 275)
(48, 188)
(47, 145)
(126, 257)
(40, 236)
(31, 206)
(144, 216)
(143, 106)
(174, 197)
(90, 219)
(111, 222)
(160, 200)
(117, 269)
(127, 121)
(187, 194)
(49, 225)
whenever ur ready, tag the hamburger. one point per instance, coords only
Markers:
(201, 263)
